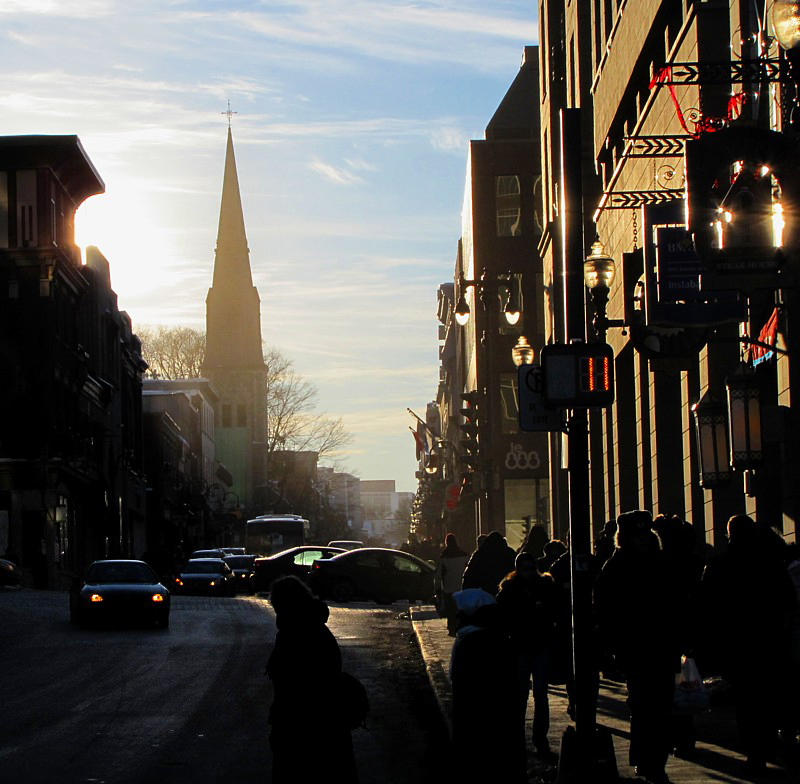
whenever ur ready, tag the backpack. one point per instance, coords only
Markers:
(353, 701)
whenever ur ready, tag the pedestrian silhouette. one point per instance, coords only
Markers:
(748, 602)
(634, 608)
(307, 730)
(488, 738)
(531, 608)
(489, 564)
(448, 576)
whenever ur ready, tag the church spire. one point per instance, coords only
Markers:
(233, 307)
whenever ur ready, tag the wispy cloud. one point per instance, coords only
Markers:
(336, 174)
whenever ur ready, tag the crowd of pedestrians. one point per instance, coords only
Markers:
(660, 601)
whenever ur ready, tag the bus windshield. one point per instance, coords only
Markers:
(270, 534)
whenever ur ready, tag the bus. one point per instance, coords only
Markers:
(272, 533)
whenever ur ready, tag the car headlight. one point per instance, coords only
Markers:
(157, 597)
(95, 597)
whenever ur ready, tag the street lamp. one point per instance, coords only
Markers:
(507, 288)
(599, 270)
(522, 353)
(744, 407)
(711, 426)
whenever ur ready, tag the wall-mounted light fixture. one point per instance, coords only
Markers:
(599, 270)
(711, 426)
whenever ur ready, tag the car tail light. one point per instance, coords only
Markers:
(179, 581)
(213, 582)
(157, 597)
(95, 597)
(315, 565)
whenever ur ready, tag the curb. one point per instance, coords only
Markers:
(437, 674)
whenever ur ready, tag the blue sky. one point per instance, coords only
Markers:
(351, 137)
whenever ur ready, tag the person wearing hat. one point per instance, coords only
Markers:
(635, 611)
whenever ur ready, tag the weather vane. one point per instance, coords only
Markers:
(229, 113)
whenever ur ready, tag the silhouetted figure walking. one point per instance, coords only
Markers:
(748, 601)
(488, 737)
(489, 564)
(531, 606)
(635, 607)
(448, 577)
(309, 741)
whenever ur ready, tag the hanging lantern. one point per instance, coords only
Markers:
(744, 407)
(711, 425)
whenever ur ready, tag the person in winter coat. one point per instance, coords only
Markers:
(531, 604)
(305, 665)
(447, 579)
(489, 564)
(635, 610)
(488, 740)
(748, 601)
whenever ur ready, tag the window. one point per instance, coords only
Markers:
(507, 185)
(241, 415)
(508, 222)
(405, 564)
(509, 403)
(307, 557)
(226, 414)
(507, 192)
(26, 208)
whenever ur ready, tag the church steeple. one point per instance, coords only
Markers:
(233, 307)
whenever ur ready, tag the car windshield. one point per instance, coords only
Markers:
(240, 561)
(121, 573)
(203, 567)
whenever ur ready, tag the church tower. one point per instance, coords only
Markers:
(234, 359)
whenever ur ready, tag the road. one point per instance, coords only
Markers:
(189, 704)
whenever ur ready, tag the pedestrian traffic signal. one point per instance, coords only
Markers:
(578, 375)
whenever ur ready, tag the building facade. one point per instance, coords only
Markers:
(492, 475)
(71, 482)
(663, 127)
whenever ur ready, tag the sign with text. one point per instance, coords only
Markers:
(534, 413)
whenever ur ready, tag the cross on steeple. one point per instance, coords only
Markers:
(229, 113)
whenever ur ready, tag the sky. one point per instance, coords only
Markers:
(351, 130)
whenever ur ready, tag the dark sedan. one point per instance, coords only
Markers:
(295, 560)
(119, 591)
(242, 568)
(206, 576)
(373, 573)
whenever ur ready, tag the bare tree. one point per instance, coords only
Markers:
(172, 352)
(293, 422)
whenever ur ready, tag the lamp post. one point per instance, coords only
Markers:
(507, 288)
(522, 353)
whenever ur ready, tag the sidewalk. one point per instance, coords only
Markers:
(717, 758)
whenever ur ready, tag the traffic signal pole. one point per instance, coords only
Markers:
(578, 761)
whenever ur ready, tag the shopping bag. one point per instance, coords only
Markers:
(690, 695)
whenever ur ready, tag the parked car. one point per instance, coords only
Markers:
(122, 591)
(346, 544)
(295, 560)
(242, 568)
(373, 573)
(215, 552)
(10, 573)
(206, 576)
(233, 550)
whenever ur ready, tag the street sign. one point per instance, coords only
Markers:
(534, 413)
